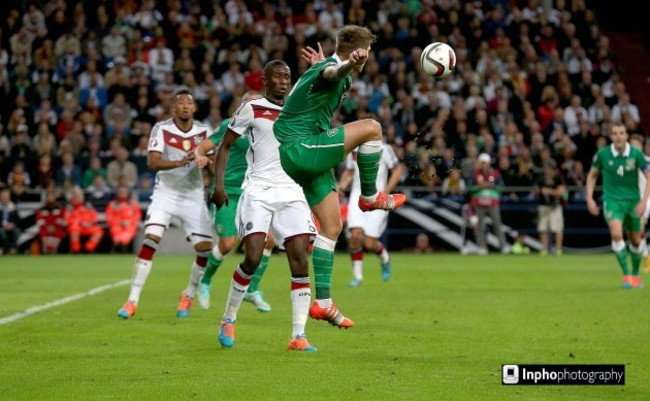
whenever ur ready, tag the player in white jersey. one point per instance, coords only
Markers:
(178, 192)
(638, 141)
(366, 228)
(271, 200)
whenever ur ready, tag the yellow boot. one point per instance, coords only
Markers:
(646, 264)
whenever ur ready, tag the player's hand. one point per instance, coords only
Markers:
(312, 56)
(219, 198)
(202, 161)
(639, 209)
(187, 159)
(359, 56)
(593, 207)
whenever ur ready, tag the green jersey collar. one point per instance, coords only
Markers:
(625, 153)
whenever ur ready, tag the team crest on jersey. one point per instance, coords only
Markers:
(332, 132)
(630, 164)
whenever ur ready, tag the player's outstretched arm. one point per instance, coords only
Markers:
(394, 179)
(155, 161)
(219, 196)
(336, 72)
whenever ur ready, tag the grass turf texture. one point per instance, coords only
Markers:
(439, 329)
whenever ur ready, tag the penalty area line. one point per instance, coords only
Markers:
(62, 301)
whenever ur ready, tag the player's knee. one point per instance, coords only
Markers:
(370, 243)
(205, 246)
(153, 237)
(226, 244)
(374, 129)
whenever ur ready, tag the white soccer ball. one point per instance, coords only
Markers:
(438, 59)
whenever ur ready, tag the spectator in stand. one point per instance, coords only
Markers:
(484, 198)
(625, 106)
(51, 221)
(123, 215)
(122, 166)
(83, 222)
(18, 175)
(550, 190)
(453, 186)
(9, 220)
(98, 190)
(44, 171)
(94, 169)
(68, 171)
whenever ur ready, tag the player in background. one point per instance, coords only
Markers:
(271, 200)
(178, 191)
(366, 228)
(310, 149)
(638, 142)
(623, 207)
(224, 218)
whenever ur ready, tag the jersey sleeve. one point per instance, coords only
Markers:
(242, 119)
(156, 140)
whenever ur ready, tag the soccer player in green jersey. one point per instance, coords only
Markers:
(310, 149)
(224, 218)
(623, 206)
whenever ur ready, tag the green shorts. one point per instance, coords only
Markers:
(311, 161)
(623, 210)
(224, 218)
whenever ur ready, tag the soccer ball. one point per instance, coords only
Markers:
(438, 59)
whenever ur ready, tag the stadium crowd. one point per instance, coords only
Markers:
(83, 82)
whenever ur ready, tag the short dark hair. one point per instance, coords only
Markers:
(273, 64)
(180, 91)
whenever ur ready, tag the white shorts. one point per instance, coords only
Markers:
(283, 210)
(551, 219)
(372, 223)
(193, 213)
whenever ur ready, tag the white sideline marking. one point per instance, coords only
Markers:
(62, 301)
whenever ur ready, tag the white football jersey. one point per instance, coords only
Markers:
(255, 119)
(387, 162)
(175, 144)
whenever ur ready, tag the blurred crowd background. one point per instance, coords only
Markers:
(82, 83)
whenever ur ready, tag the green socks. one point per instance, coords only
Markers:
(257, 277)
(368, 165)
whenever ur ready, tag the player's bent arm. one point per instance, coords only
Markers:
(155, 161)
(646, 193)
(592, 176)
(200, 153)
(336, 72)
(394, 179)
(219, 196)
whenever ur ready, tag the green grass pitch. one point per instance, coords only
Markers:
(440, 329)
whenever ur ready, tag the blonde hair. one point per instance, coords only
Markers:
(353, 37)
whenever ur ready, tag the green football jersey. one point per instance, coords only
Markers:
(237, 163)
(620, 172)
(311, 104)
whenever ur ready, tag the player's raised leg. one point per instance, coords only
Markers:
(366, 134)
